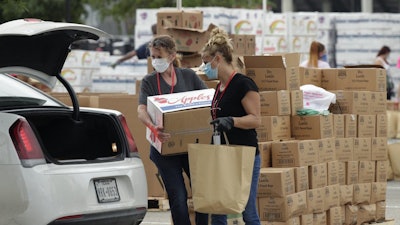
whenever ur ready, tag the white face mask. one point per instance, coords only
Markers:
(160, 64)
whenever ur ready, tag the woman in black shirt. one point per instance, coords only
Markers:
(235, 110)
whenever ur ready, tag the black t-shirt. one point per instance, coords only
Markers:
(230, 105)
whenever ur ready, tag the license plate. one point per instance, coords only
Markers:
(106, 190)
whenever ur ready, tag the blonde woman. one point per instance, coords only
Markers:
(235, 110)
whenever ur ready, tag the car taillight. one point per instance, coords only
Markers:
(70, 217)
(133, 151)
(27, 146)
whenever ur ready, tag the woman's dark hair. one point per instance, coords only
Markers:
(154, 29)
(384, 50)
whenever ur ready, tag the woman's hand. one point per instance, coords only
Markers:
(163, 137)
(158, 131)
(223, 123)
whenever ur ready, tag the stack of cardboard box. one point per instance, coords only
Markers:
(244, 44)
(320, 169)
(361, 102)
(186, 27)
(315, 169)
(80, 68)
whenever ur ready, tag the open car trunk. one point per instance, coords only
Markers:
(95, 137)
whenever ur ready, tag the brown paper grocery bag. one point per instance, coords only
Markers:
(220, 177)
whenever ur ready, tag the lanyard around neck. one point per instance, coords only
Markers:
(172, 83)
(215, 102)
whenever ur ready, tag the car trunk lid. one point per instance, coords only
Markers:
(39, 45)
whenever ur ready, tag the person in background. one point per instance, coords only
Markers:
(142, 52)
(382, 60)
(317, 57)
(168, 78)
(235, 110)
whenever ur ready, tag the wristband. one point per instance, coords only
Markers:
(153, 130)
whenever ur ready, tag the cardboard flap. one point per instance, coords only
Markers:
(211, 26)
(292, 59)
(288, 59)
(263, 62)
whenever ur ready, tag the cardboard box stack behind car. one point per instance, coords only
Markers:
(80, 69)
(343, 168)
(338, 155)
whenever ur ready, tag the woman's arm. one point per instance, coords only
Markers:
(379, 61)
(146, 120)
(251, 104)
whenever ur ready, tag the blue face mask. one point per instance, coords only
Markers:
(324, 58)
(211, 73)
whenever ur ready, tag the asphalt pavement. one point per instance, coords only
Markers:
(393, 201)
(156, 217)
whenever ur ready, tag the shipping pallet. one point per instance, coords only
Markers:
(158, 204)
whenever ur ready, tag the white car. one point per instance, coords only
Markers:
(60, 164)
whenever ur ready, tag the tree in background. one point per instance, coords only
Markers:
(121, 11)
(125, 10)
(53, 10)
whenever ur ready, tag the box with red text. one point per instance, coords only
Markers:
(186, 116)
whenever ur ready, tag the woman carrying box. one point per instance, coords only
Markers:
(168, 78)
